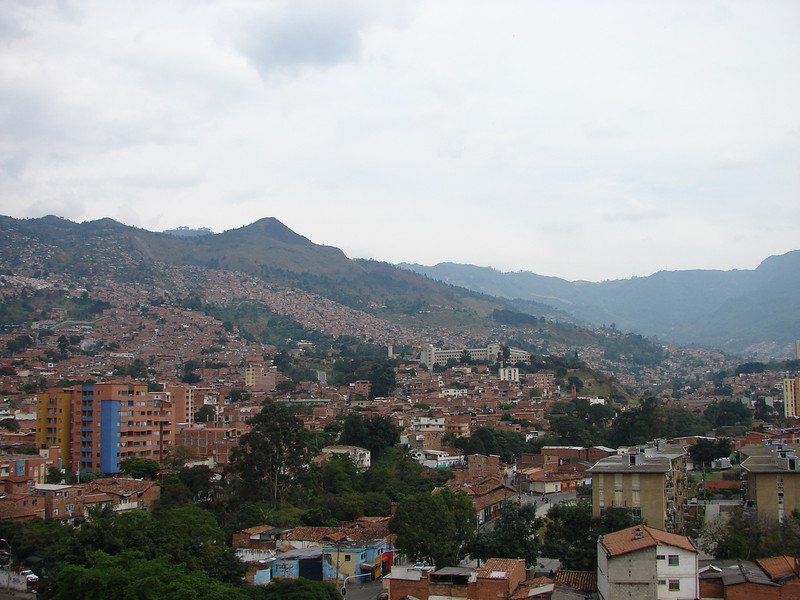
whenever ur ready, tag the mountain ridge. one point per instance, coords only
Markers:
(696, 306)
(738, 311)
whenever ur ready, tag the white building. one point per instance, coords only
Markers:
(437, 459)
(361, 457)
(491, 353)
(645, 563)
(509, 374)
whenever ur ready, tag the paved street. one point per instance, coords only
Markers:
(363, 591)
(543, 504)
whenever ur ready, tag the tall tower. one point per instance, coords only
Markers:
(791, 397)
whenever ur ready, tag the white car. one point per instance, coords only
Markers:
(30, 576)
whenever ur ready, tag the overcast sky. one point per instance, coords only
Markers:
(586, 140)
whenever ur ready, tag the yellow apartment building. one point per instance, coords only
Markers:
(649, 480)
(772, 478)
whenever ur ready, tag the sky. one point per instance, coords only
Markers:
(584, 140)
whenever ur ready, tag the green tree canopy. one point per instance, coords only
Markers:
(204, 414)
(139, 468)
(375, 433)
(269, 457)
(749, 535)
(434, 528)
(704, 451)
(571, 533)
(513, 536)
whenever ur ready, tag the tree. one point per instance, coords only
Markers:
(204, 414)
(270, 454)
(749, 535)
(139, 468)
(131, 575)
(434, 528)
(179, 456)
(728, 412)
(571, 533)
(9, 424)
(376, 433)
(513, 536)
(54, 475)
(704, 451)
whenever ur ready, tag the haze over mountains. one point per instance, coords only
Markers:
(743, 311)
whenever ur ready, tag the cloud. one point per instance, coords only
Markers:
(305, 33)
(521, 135)
(634, 211)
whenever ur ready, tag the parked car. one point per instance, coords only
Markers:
(29, 575)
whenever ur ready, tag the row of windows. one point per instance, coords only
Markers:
(674, 560)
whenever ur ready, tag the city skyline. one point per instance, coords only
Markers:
(582, 140)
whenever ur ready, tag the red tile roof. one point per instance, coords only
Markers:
(356, 532)
(779, 567)
(584, 581)
(499, 565)
(640, 537)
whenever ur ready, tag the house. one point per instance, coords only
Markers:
(436, 459)
(736, 578)
(488, 494)
(121, 494)
(643, 562)
(497, 578)
(361, 550)
(258, 544)
(361, 457)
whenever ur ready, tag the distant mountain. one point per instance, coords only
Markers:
(266, 249)
(743, 311)
(738, 311)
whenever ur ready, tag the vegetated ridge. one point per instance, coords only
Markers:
(745, 311)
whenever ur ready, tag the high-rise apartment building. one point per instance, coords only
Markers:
(791, 397)
(54, 422)
(182, 399)
(108, 422)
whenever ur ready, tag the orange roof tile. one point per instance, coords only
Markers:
(778, 567)
(639, 537)
(584, 581)
(499, 565)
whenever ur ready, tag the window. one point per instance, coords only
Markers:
(660, 557)
(347, 558)
(674, 585)
(662, 582)
(674, 560)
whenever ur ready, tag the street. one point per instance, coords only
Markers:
(362, 591)
(543, 504)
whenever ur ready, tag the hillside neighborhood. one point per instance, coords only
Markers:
(314, 441)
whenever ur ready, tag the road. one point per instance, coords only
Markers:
(543, 504)
(363, 591)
